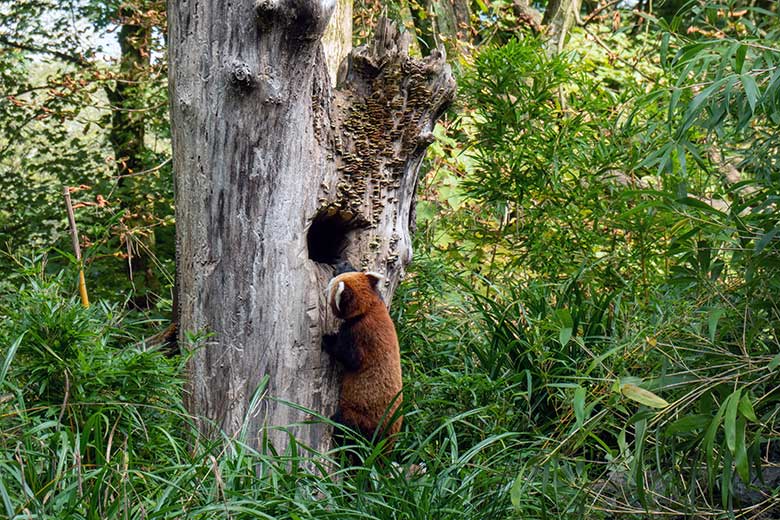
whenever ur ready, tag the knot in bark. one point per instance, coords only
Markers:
(241, 75)
(304, 19)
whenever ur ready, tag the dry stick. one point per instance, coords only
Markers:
(596, 12)
(74, 235)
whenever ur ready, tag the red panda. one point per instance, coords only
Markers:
(367, 346)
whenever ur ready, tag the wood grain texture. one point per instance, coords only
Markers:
(262, 146)
(337, 40)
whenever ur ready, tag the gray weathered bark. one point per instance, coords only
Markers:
(337, 40)
(526, 14)
(277, 176)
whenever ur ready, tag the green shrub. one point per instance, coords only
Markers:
(595, 300)
(80, 401)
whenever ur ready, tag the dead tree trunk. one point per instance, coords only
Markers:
(277, 176)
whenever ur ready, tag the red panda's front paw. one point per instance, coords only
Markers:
(329, 343)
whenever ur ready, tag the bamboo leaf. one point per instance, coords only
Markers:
(674, 101)
(695, 106)
(709, 444)
(696, 203)
(640, 429)
(739, 58)
(567, 326)
(740, 454)
(664, 49)
(642, 396)
(751, 90)
(712, 322)
(774, 363)
(688, 424)
(9, 357)
(726, 479)
(730, 420)
(746, 409)
(518, 488)
(579, 405)
(765, 239)
(9, 508)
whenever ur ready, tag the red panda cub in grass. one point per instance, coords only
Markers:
(367, 345)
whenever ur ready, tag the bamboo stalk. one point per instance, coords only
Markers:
(74, 235)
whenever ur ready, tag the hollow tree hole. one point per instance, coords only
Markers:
(328, 235)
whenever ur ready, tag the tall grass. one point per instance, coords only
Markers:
(573, 347)
(91, 426)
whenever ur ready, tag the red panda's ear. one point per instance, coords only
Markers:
(374, 279)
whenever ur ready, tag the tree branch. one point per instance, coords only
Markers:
(69, 58)
(527, 14)
(596, 12)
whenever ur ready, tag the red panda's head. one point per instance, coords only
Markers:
(352, 294)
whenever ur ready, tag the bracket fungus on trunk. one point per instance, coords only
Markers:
(382, 118)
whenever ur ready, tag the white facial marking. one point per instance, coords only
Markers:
(337, 297)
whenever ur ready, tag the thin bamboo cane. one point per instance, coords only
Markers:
(74, 235)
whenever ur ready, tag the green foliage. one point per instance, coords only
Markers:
(591, 329)
(79, 111)
(545, 161)
(610, 287)
(65, 352)
(80, 406)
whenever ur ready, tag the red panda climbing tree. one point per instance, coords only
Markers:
(278, 175)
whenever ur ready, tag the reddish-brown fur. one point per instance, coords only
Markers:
(368, 392)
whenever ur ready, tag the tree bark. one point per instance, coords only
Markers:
(444, 22)
(278, 176)
(526, 14)
(337, 40)
(560, 17)
(127, 116)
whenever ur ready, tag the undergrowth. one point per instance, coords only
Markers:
(92, 426)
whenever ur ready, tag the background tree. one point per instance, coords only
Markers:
(88, 83)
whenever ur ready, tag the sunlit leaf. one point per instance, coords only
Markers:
(642, 396)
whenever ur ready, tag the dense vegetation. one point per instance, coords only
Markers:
(590, 328)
